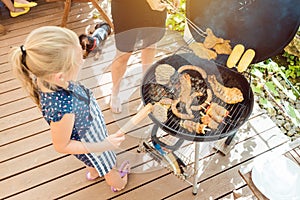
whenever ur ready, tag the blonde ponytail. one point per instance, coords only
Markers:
(27, 79)
(46, 51)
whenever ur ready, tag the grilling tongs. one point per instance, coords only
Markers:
(137, 118)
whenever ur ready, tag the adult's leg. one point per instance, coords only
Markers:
(118, 69)
(15, 11)
(147, 56)
(10, 6)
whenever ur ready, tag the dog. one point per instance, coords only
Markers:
(95, 41)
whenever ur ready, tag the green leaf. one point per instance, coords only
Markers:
(256, 73)
(265, 103)
(288, 93)
(271, 86)
(293, 113)
(277, 83)
(257, 89)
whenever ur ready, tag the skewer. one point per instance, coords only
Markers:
(206, 129)
(202, 114)
(227, 115)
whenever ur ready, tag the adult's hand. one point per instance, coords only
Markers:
(176, 3)
(157, 5)
(160, 5)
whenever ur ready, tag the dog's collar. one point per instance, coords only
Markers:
(94, 45)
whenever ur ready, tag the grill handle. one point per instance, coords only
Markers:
(162, 144)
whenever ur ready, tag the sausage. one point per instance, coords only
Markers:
(179, 114)
(207, 101)
(192, 67)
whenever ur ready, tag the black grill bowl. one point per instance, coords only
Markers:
(239, 113)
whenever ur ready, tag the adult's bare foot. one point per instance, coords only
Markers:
(115, 104)
(24, 3)
(19, 11)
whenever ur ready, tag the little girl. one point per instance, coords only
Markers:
(47, 65)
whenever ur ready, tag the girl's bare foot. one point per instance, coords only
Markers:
(91, 173)
(124, 171)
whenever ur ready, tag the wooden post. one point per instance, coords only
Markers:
(103, 14)
(2, 30)
(66, 12)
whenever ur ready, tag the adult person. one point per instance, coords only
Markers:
(138, 25)
(19, 7)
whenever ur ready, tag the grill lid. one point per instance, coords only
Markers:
(266, 26)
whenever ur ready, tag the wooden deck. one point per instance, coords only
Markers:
(31, 169)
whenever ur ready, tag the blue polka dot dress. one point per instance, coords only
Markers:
(89, 125)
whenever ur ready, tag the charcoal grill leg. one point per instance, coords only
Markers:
(229, 139)
(196, 168)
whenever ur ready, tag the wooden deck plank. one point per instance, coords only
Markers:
(218, 164)
(243, 193)
(295, 156)
(23, 131)
(31, 169)
(297, 150)
(16, 106)
(84, 191)
(209, 192)
(31, 179)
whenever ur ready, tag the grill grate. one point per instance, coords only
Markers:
(152, 92)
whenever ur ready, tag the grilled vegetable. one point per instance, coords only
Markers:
(235, 55)
(246, 60)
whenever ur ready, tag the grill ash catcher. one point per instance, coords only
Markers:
(227, 20)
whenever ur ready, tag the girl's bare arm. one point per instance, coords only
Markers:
(61, 133)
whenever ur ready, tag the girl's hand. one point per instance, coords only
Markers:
(116, 139)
